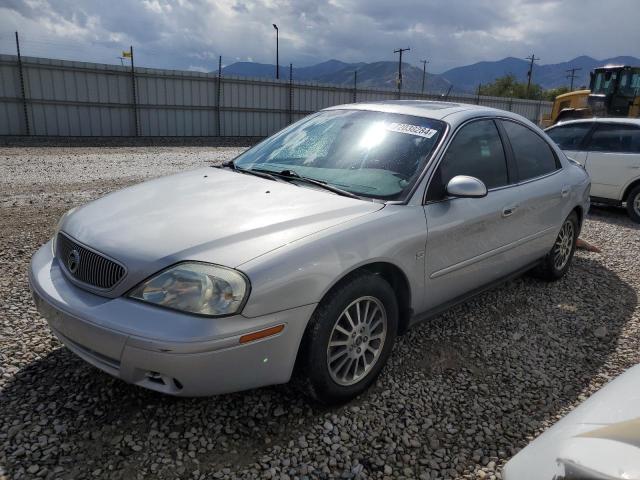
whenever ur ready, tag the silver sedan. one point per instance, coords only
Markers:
(309, 253)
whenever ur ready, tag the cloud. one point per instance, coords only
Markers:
(191, 34)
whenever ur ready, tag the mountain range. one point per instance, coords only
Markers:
(370, 75)
(460, 79)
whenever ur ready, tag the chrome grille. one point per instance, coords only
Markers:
(86, 265)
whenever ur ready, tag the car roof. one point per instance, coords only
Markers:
(621, 120)
(429, 109)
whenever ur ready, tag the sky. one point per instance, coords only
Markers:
(182, 34)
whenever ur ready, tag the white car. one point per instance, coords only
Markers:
(600, 439)
(609, 148)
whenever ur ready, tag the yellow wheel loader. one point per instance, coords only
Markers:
(614, 91)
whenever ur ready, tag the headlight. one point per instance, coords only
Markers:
(198, 288)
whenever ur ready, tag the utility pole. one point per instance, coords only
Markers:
(355, 86)
(277, 52)
(572, 75)
(533, 58)
(290, 93)
(400, 50)
(218, 98)
(135, 97)
(22, 91)
(424, 72)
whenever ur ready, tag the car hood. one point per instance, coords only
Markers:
(210, 214)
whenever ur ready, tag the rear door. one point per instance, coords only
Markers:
(613, 158)
(467, 237)
(543, 189)
(571, 139)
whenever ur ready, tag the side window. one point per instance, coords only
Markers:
(534, 156)
(569, 137)
(610, 137)
(477, 151)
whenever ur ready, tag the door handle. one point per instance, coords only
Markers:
(565, 190)
(508, 211)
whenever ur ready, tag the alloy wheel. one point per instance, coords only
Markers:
(564, 245)
(357, 340)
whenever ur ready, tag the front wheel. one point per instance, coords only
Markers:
(349, 339)
(556, 263)
(633, 204)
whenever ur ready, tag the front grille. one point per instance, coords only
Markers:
(86, 265)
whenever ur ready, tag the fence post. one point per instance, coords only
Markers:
(22, 90)
(135, 97)
(290, 93)
(510, 104)
(478, 95)
(355, 86)
(538, 107)
(218, 97)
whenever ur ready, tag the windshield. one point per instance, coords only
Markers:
(604, 81)
(371, 154)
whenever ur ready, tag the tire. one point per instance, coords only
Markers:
(336, 382)
(556, 263)
(633, 204)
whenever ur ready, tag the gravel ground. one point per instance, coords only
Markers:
(461, 395)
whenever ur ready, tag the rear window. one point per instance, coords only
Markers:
(532, 153)
(569, 137)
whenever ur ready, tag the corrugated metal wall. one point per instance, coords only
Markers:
(87, 99)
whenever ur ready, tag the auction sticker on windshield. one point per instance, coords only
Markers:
(411, 129)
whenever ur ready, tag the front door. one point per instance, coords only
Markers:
(468, 238)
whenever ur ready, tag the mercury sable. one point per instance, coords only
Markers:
(309, 253)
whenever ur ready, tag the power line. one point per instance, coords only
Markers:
(572, 75)
(533, 59)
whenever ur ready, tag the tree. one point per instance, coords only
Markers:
(552, 93)
(509, 86)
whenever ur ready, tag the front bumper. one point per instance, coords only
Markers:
(160, 349)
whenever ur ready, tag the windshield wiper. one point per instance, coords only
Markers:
(257, 173)
(249, 171)
(295, 176)
(289, 175)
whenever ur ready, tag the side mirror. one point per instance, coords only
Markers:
(466, 187)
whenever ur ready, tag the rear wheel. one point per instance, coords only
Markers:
(633, 204)
(556, 263)
(349, 339)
